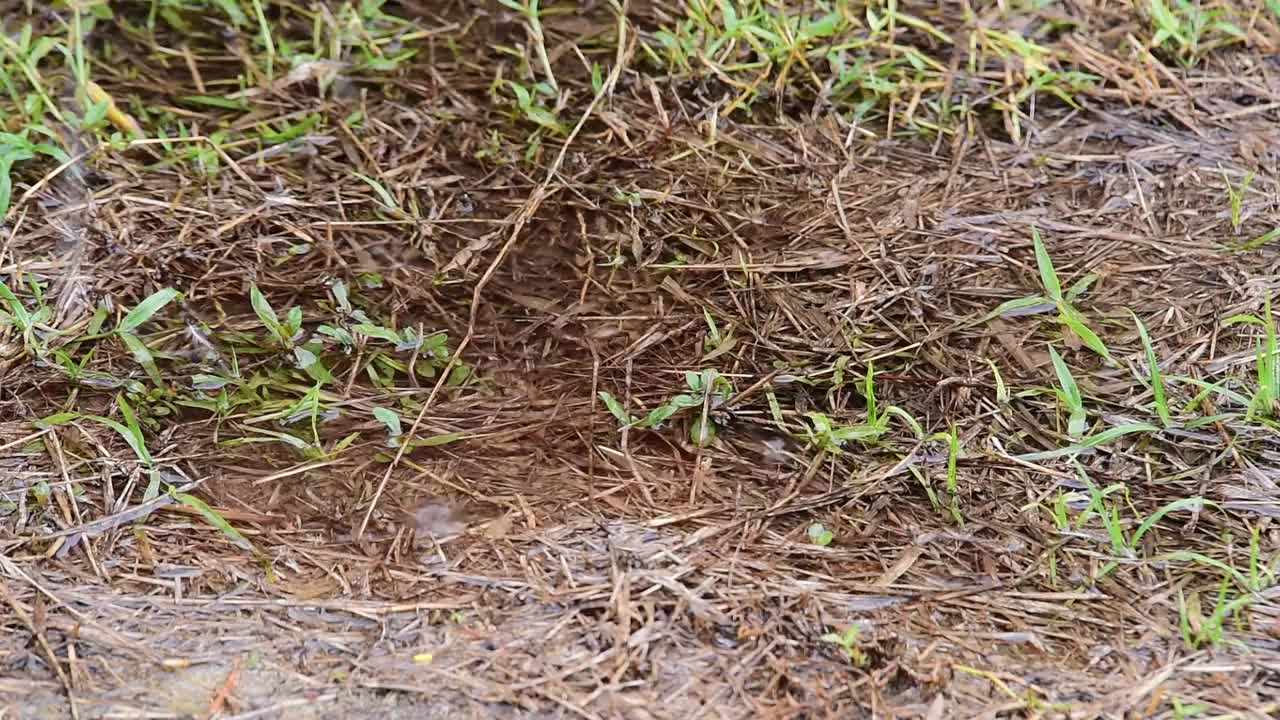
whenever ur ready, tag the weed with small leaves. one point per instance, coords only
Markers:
(1053, 298)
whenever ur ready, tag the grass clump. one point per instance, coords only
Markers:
(874, 60)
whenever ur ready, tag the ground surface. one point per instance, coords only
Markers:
(540, 556)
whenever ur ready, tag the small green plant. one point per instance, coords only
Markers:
(129, 429)
(531, 16)
(819, 535)
(716, 343)
(286, 335)
(1184, 711)
(1123, 543)
(1069, 397)
(1235, 196)
(1199, 631)
(391, 419)
(531, 108)
(1189, 31)
(16, 148)
(953, 484)
(829, 438)
(31, 324)
(1068, 315)
(708, 389)
(1154, 379)
(847, 641)
(1266, 397)
(387, 200)
(134, 319)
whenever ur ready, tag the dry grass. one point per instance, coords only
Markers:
(534, 559)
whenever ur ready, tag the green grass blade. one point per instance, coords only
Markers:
(266, 314)
(1069, 316)
(1153, 370)
(1048, 276)
(1193, 502)
(1016, 304)
(19, 311)
(1069, 393)
(1091, 442)
(142, 355)
(143, 311)
(215, 519)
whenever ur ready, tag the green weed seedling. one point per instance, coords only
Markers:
(16, 148)
(819, 535)
(130, 431)
(708, 389)
(1265, 402)
(1069, 397)
(532, 17)
(1123, 544)
(528, 102)
(1154, 379)
(286, 334)
(716, 343)
(134, 319)
(953, 483)
(847, 641)
(1189, 31)
(829, 438)
(1068, 315)
(1198, 631)
(388, 202)
(1235, 195)
(31, 324)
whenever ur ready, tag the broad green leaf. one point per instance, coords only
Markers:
(266, 315)
(663, 412)
(143, 311)
(375, 331)
(388, 418)
(702, 431)
(233, 12)
(294, 319)
(142, 355)
(615, 408)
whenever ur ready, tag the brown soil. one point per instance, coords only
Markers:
(588, 572)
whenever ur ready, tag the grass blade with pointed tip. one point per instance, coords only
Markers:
(1069, 393)
(215, 519)
(142, 355)
(1091, 442)
(266, 314)
(1048, 276)
(19, 311)
(1069, 316)
(1153, 370)
(1150, 522)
